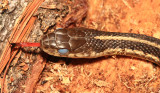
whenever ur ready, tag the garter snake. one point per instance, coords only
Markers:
(90, 43)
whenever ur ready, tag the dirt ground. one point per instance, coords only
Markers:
(110, 74)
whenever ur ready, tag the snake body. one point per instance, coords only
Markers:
(90, 43)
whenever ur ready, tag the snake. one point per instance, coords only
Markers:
(82, 42)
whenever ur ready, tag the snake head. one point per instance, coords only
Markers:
(54, 45)
(63, 42)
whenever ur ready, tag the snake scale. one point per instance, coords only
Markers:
(90, 43)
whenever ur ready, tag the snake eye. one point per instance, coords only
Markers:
(63, 51)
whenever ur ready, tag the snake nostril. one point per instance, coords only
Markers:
(52, 43)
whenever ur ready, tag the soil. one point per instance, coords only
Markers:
(110, 74)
